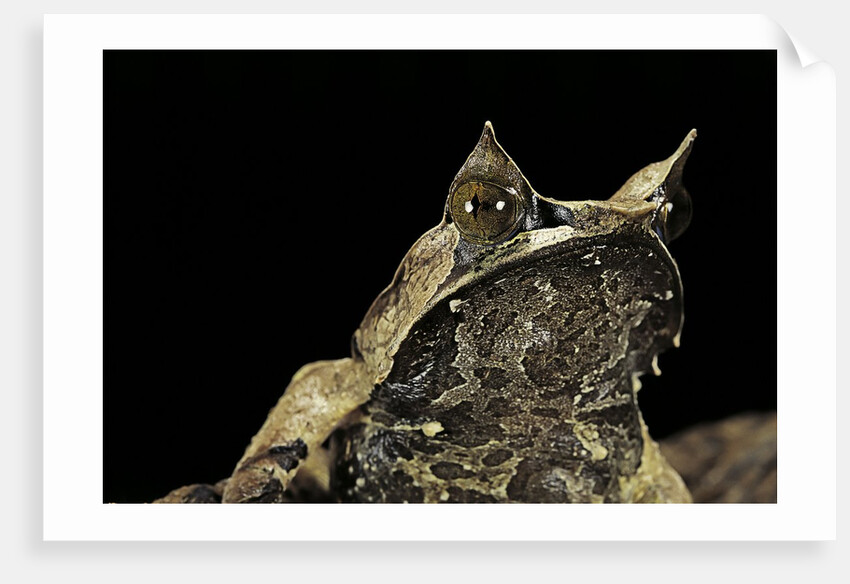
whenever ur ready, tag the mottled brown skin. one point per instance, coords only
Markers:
(513, 374)
(501, 363)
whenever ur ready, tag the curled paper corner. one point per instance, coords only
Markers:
(793, 45)
(806, 56)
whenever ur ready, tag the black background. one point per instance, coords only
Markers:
(256, 202)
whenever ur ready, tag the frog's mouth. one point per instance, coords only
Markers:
(480, 264)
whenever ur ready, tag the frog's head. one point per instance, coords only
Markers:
(554, 261)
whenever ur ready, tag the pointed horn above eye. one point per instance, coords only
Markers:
(657, 193)
(487, 144)
(489, 162)
(644, 184)
(488, 130)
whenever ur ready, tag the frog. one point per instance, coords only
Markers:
(501, 364)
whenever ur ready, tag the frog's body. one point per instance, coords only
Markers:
(501, 394)
(501, 364)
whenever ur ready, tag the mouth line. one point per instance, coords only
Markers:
(506, 258)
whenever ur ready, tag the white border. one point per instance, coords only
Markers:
(73, 285)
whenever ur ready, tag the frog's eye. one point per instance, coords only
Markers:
(679, 210)
(485, 213)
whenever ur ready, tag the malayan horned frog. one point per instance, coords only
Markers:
(502, 362)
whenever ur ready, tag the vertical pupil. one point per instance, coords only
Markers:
(474, 205)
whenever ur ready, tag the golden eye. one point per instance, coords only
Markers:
(485, 213)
